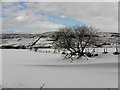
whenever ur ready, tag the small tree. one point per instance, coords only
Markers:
(75, 39)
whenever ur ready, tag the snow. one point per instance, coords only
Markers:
(29, 69)
(25, 41)
(1, 69)
(15, 41)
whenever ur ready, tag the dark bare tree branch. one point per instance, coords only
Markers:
(75, 39)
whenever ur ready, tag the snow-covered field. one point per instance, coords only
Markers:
(25, 41)
(29, 69)
(1, 69)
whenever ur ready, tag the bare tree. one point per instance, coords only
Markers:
(75, 39)
(86, 36)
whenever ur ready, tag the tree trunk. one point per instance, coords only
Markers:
(80, 53)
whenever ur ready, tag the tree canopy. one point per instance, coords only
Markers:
(76, 38)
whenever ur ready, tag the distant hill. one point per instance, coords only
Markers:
(9, 35)
(49, 34)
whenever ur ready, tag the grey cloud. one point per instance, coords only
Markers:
(103, 15)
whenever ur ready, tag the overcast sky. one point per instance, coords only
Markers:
(40, 17)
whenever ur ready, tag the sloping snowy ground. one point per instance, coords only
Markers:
(25, 41)
(0, 69)
(29, 69)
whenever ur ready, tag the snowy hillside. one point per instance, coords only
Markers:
(28, 69)
(25, 68)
